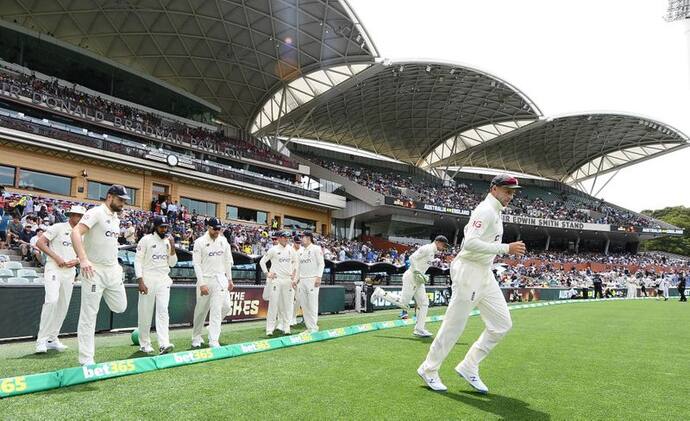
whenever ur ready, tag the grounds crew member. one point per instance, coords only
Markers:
(282, 282)
(475, 285)
(413, 281)
(100, 272)
(212, 258)
(155, 256)
(311, 266)
(59, 276)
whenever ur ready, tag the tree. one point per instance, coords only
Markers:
(678, 216)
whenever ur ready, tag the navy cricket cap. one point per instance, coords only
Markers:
(213, 223)
(505, 180)
(284, 234)
(160, 221)
(297, 239)
(308, 234)
(441, 238)
(119, 191)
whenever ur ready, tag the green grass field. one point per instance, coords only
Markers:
(611, 360)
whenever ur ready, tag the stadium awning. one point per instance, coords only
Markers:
(404, 109)
(233, 54)
(573, 148)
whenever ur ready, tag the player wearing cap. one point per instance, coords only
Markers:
(212, 258)
(59, 276)
(155, 256)
(282, 282)
(99, 269)
(475, 285)
(413, 280)
(297, 246)
(311, 265)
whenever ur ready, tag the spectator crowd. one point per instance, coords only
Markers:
(462, 195)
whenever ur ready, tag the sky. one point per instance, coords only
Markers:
(567, 57)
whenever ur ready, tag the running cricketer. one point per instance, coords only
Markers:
(59, 275)
(311, 265)
(100, 271)
(474, 285)
(212, 259)
(413, 281)
(155, 256)
(282, 282)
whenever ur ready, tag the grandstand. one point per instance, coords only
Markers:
(284, 116)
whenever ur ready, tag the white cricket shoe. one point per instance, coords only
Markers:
(214, 344)
(146, 349)
(41, 348)
(472, 377)
(434, 382)
(196, 343)
(57, 345)
(269, 333)
(165, 349)
(422, 333)
(378, 293)
(90, 361)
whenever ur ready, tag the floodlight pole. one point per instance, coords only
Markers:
(679, 10)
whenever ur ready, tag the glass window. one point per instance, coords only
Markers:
(99, 191)
(6, 176)
(49, 183)
(298, 223)
(246, 214)
(230, 212)
(201, 207)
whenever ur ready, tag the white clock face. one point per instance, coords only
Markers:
(172, 160)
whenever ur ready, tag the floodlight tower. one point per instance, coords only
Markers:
(679, 10)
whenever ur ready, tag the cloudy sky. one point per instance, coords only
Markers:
(589, 55)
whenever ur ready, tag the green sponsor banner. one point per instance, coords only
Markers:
(366, 327)
(90, 373)
(257, 346)
(191, 357)
(13, 386)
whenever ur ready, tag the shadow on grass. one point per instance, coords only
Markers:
(501, 406)
(81, 388)
(33, 356)
(413, 338)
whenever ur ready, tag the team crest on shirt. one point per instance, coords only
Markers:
(107, 221)
(153, 246)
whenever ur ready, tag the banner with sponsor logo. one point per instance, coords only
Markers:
(438, 296)
(553, 223)
(411, 204)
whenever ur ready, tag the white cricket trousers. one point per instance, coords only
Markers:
(158, 296)
(308, 297)
(106, 282)
(280, 303)
(295, 307)
(410, 289)
(58, 285)
(217, 303)
(632, 292)
(473, 285)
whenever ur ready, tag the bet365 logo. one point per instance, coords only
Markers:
(12, 385)
(109, 369)
(192, 356)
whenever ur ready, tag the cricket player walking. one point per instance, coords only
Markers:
(282, 282)
(101, 273)
(311, 265)
(155, 256)
(474, 285)
(212, 259)
(413, 281)
(60, 272)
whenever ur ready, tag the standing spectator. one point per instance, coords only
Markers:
(4, 223)
(681, 287)
(130, 233)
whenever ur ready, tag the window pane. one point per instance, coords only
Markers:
(201, 207)
(261, 217)
(6, 176)
(99, 191)
(231, 212)
(299, 223)
(45, 182)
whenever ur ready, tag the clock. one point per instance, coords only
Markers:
(172, 160)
